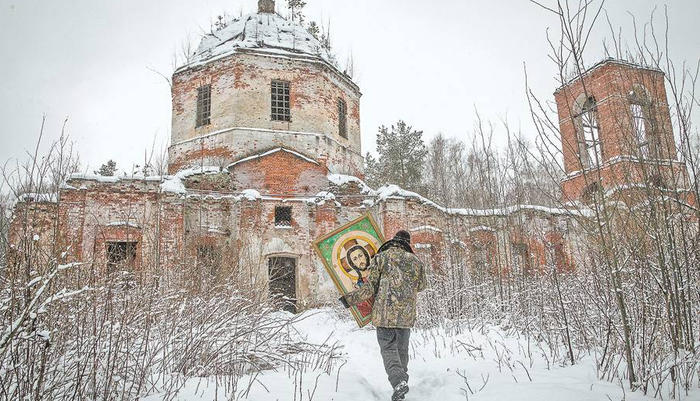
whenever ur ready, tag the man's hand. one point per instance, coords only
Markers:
(344, 301)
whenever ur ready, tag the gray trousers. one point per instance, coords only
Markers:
(393, 344)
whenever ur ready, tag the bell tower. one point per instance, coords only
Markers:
(616, 133)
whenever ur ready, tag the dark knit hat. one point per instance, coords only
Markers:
(403, 236)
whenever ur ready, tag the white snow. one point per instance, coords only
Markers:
(122, 224)
(481, 228)
(168, 183)
(112, 179)
(250, 194)
(44, 335)
(323, 196)
(342, 179)
(38, 197)
(623, 158)
(34, 281)
(266, 33)
(603, 62)
(269, 152)
(485, 365)
(214, 229)
(174, 184)
(426, 228)
(642, 186)
(395, 192)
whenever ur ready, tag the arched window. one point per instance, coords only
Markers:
(522, 259)
(591, 147)
(641, 126)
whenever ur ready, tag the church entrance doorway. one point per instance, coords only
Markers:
(282, 273)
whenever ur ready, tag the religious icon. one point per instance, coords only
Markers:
(355, 259)
(347, 254)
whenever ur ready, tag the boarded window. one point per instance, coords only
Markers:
(283, 216)
(121, 255)
(342, 118)
(203, 105)
(280, 101)
(209, 259)
(282, 273)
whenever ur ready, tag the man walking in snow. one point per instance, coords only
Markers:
(396, 277)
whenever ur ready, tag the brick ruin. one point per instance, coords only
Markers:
(617, 134)
(266, 156)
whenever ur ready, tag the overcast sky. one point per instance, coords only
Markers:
(430, 63)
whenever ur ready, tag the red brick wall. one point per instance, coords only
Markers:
(611, 83)
(281, 173)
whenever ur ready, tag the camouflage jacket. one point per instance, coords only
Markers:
(395, 278)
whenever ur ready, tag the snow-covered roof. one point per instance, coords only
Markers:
(481, 228)
(342, 179)
(174, 183)
(269, 152)
(268, 33)
(112, 179)
(122, 224)
(426, 228)
(607, 61)
(396, 192)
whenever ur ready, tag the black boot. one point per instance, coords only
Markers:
(400, 391)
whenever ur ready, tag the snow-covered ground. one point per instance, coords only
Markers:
(476, 365)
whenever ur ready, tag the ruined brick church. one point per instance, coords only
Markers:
(266, 156)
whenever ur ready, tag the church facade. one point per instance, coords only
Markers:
(266, 156)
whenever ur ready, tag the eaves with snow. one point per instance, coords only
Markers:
(263, 33)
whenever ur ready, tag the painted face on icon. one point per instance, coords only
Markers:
(358, 257)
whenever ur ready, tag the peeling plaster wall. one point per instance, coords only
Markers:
(240, 112)
(169, 227)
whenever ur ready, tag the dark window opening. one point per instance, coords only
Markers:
(592, 193)
(121, 255)
(280, 101)
(521, 258)
(283, 216)
(342, 118)
(657, 181)
(203, 105)
(209, 259)
(282, 273)
(479, 257)
(557, 256)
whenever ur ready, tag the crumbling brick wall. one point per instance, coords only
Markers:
(240, 112)
(614, 86)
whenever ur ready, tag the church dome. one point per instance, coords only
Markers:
(262, 32)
